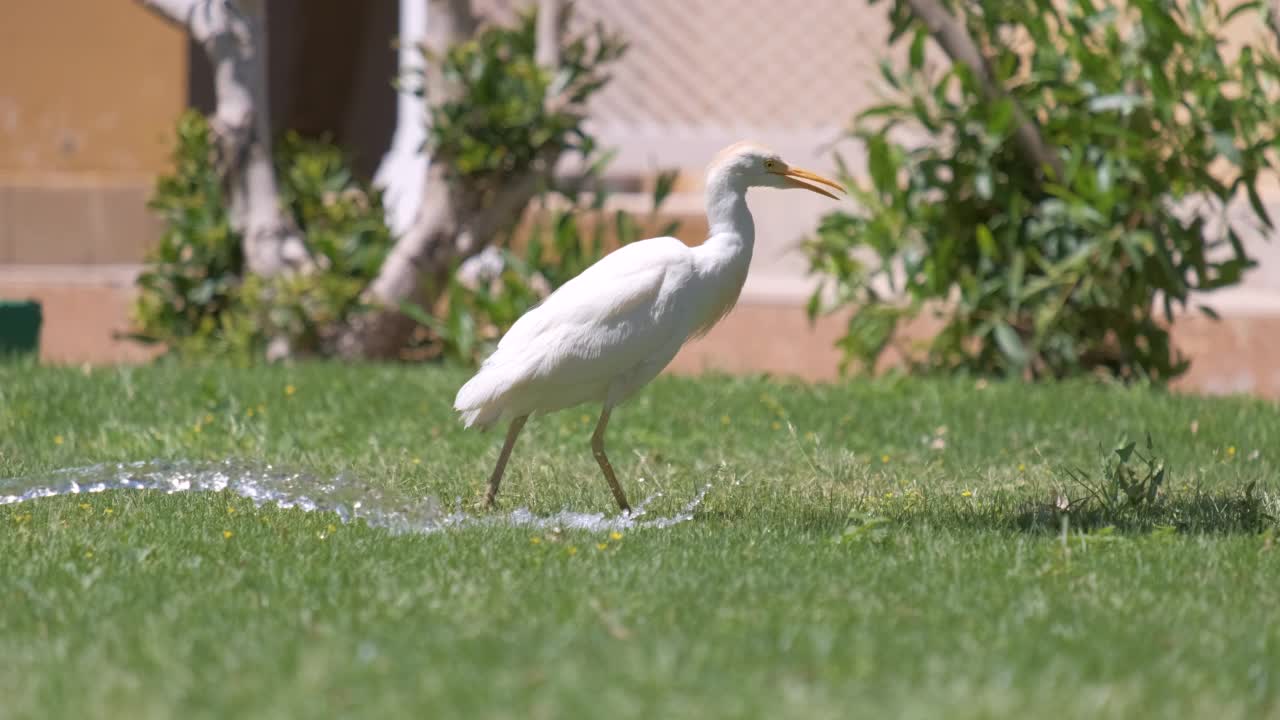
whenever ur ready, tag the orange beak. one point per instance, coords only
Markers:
(796, 177)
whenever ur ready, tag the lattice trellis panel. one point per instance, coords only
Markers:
(783, 65)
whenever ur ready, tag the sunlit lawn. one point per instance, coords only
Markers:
(877, 549)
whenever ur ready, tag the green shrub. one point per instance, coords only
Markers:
(192, 275)
(194, 295)
(1152, 121)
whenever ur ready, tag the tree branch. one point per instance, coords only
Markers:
(1273, 15)
(547, 34)
(950, 33)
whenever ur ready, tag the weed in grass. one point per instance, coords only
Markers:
(1121, 487)
(1129, 492)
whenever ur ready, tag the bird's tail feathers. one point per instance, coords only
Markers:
(482, 400)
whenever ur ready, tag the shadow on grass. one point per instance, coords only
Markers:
(1202, 513)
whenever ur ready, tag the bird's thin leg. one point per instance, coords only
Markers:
(513, 432)
(597, 448)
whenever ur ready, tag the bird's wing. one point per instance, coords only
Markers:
(607, 320)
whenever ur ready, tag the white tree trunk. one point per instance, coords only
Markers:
(233, 35)
(402, 174)
(450, 226)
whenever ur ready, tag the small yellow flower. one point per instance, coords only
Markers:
(586, 419)
(777, 425)
(57, 440)
(967, 493)
(884, 459)
(86, 506)
(88, 553)
(571, 550)
(108, 511)
(417, 461)
(535, 541)
(226, 534)
(290, 390)
(602, 546)
(615, 535)
(332, 528)
(231, 510)
(1231, 451)
(1022, 467)
(196, 427)
(724, 419)
(208, 418)
(249, 412)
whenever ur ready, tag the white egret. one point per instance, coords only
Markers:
(607, 332)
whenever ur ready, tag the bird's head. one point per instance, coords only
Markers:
(747, 164)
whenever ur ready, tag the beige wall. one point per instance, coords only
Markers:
(89, 90)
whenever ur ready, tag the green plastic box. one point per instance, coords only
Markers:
(20, 322)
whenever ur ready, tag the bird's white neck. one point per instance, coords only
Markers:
(728, 218)
(723, 260)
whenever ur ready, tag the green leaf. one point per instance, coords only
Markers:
(986, 243)
(886, 72)
(1001, 117)
(663, 185)
(880, 163)
(813, 308)
(624, 227)
(1256, 202)
(917, 49)
(418, 315)
(1242, 7)
(1010, 344)
(882, 110)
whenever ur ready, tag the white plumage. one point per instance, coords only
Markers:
(607, 332)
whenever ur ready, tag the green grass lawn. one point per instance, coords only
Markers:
(853, 559)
